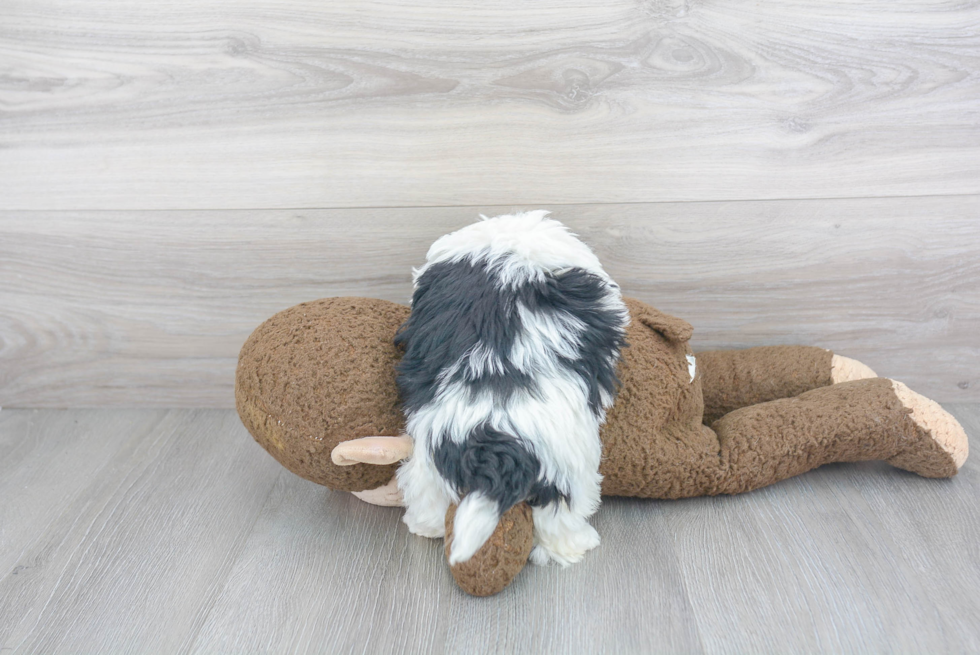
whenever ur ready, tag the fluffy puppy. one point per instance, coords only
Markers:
(510, 364)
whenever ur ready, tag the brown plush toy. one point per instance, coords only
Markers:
(316, 388)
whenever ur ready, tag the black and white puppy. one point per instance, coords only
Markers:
(510, 364)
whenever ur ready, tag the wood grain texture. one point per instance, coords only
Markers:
(217, 104)
(136, 550)
(183, 536)
(46, 460)
(151, 308)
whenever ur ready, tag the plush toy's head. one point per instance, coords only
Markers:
(320, 373)
(323, 372)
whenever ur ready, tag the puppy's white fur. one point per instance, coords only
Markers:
(556, 424)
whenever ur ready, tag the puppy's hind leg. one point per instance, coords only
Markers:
(425, 495)
(562, 532)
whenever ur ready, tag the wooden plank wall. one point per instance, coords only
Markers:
(173, 173)
(150, 308)
(295, 103)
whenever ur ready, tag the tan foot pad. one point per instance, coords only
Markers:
(845, 369)
(948, 447)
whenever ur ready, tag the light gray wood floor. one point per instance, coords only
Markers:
(172, 531)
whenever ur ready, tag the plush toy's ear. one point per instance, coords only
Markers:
(673, 328)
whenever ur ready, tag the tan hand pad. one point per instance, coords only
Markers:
(372, 450)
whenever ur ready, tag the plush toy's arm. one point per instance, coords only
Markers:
(372, 450)
(375, 450)
(732, 379)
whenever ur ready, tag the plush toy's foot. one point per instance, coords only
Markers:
(845, 369)
(941, 447)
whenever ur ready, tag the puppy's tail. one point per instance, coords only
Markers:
(496, 471)
(476, 519)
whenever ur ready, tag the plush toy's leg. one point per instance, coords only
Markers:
(426, 500)
(740, 378)
(861, 420)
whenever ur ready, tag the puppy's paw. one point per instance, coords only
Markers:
(540, 556)
(566, 549)
(425, 524)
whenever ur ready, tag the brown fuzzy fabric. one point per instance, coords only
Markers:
(759, 445)
(848, 422)
(320, 373)
(323, 372)
(738, 378)
(500, 559)
(647, 448)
